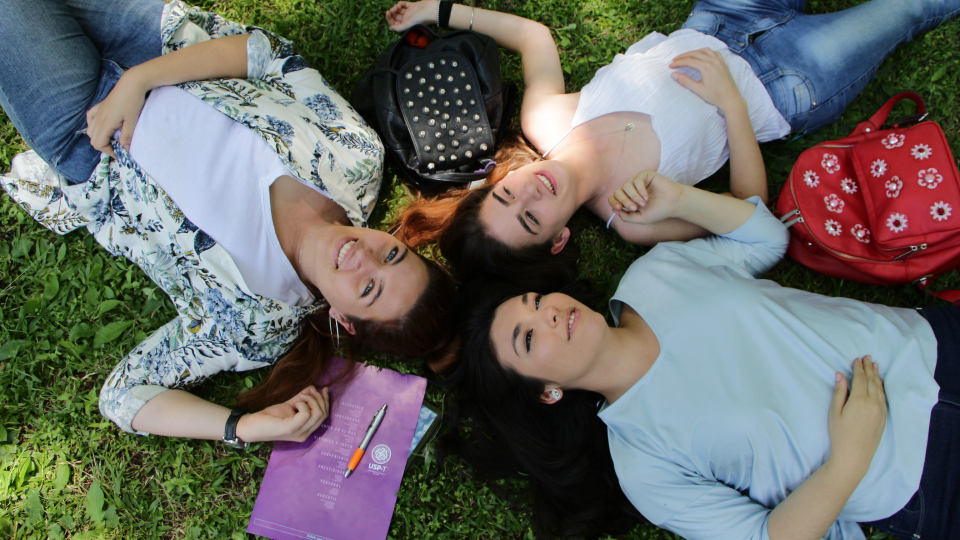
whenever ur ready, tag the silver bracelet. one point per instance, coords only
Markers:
(471, 18)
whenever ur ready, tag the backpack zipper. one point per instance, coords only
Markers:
(911, 251)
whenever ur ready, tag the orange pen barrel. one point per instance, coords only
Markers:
(355, 460)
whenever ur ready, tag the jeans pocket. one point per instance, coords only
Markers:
(704, 22)
(907, 522)
(792, 94)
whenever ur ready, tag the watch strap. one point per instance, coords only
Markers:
(230, 428)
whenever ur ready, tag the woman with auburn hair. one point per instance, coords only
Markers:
(649, 110)
(241, 184)
(747, 429)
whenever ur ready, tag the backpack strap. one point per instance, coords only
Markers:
(952, 296)
(877, 120)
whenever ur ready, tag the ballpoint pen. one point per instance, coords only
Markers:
(374, 424)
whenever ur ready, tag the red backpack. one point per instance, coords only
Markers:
(878, 206)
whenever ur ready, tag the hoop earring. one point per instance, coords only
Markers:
(330, 323)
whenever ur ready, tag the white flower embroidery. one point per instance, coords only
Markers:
(894, 185)
(811, 178)
(830, 163)
(861, 233)
(921, 151)
(892, 141)
(834, 203)
(929, 178)
(833, 227)
(940, 210)
(878, 168)
(897, 222)
(848, 186)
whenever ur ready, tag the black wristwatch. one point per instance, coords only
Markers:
(230, 429)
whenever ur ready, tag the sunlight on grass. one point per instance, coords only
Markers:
(66, 472)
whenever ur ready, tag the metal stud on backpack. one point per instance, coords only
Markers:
(444, 113)
(439, 105)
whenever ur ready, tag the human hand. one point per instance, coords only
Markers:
(119, 110)
(647, 198)
(716, 85)
(403, 15)
(293, 420)
(856, 422)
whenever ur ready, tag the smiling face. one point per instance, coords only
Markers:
(531, 205)
(552, 338)
(365, 273)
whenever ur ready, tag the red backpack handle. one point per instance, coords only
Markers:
(877, 120)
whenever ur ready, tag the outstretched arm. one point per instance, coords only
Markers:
(756, 246)
(651, 198)
(176, 413)
(542, 72)
(218, 58)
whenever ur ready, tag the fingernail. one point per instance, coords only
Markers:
(675, 76)
(836, 376)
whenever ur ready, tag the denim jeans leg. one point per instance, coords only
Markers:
(817, 64)
(124, 31)
(934, 511)
(813, 66)
(51, 73)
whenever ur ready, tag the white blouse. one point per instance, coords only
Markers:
(692, 133)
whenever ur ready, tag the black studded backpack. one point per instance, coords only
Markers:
(439, 105)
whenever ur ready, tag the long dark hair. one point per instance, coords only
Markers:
(452, 220)
(562, 447)
(424, 331)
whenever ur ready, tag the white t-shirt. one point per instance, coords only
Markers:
(692, 133)
(180, 142)
(732, 417)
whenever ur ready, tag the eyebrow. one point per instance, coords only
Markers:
(499, 198)
(516, 329)
(379, 292)
(395, 262)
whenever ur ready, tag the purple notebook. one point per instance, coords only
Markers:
(304, 493)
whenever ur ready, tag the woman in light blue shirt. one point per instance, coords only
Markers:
(725, 397)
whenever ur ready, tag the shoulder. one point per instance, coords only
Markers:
(546, 118)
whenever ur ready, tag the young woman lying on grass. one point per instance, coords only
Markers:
(243, 192)
(743, 429)
(645, 111)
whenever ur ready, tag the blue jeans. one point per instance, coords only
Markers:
(58, 58)
(934, 511)
(813, 66)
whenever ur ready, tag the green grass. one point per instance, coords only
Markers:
(66, 472)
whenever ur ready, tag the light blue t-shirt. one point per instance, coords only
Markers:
(732, 416)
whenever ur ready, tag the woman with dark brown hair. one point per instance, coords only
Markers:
(241, 183)
(653, 108)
